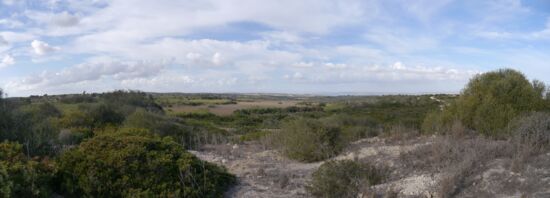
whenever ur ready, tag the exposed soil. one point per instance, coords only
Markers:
(266, 173)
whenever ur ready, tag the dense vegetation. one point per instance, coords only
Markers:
(489, 102)
(118, 144)
(21, 176)
(133, 162)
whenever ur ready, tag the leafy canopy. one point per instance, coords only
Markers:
(134, 162)
(491, 100)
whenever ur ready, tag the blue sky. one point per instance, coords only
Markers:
(286, 46)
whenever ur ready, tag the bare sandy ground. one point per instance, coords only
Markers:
(265, 173)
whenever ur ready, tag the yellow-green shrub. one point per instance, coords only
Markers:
(310, 140)
(491, 100)
(21, 176)
(134, 162)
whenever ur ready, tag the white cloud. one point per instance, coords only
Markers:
(42, 48)
(10, 2)
(99, 68)
(543, 34)
(159, 81)
(424, 10)
(202, 53)
(336, 65)
(401, 43)
(193, 56)
(311, 41)
(7, 61)
(165, 81)
(167, 18)
(396, 72)
(282, 36)
(295, 77)
(3, 41)
(14, 37)
(65, 19)
(217, 58)
(303, 64)
(9, 23)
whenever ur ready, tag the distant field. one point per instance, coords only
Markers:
(177, 101)
(228, 109)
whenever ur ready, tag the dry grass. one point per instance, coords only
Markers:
(400, 133)
(531, 137)
(457, 158)
(228, 109)
(345, 179)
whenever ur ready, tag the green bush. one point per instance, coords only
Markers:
(433, 123)
(133, 162)
(254, 136)
(188, 134)
(345, 179)
(22, 177)
(127, 101)
(31, 126)
(310, 140)
(155, 123)
(92, 116)
(105, 115)
(491, 100)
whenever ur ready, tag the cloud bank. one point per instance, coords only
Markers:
(304, 46)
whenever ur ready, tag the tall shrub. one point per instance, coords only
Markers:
(491, 100)
(136, 163)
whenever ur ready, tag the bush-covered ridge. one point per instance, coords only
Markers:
(133, 162)
(136, 148)
(118, 144)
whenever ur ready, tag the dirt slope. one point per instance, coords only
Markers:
(265, 173)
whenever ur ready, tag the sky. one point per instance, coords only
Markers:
(264, 46)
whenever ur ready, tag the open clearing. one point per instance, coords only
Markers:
(264, 172)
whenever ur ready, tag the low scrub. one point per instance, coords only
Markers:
(531, 137)
(345, 179)
(457, 158)
(310, 140)
(532, 132)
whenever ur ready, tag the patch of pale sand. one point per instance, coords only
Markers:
(417, 185)
(499, 170)
(209, 157)
(392, 151)
(413, 186)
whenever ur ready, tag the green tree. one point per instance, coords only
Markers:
(491, 100)
(30, 125)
